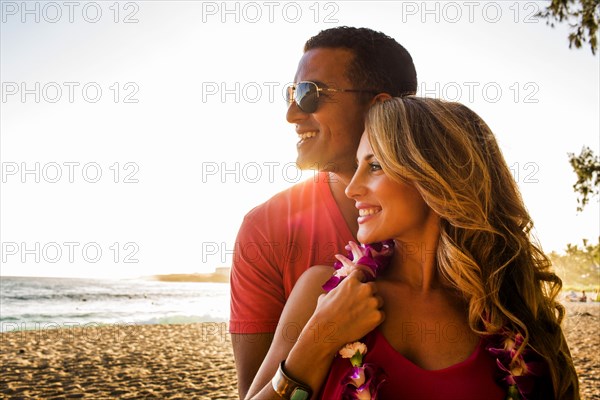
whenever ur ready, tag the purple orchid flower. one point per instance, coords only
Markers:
(362, 381)
(373, 378)
(332, 283)
(375, 257)
(517, 373)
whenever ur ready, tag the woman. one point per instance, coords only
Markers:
(466, 308)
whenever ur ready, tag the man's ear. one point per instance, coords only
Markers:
(380, 97)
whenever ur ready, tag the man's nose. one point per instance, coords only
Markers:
(294, 114)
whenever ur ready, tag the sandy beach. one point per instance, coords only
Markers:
(182, 361)
(125, 362)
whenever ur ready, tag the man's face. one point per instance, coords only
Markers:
(335, 128)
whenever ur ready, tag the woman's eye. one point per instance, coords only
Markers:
(375, 167)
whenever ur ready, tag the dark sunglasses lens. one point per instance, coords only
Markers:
(306, 97)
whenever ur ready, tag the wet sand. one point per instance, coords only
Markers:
(183, 361)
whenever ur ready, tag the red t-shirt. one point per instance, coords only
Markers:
(279, 240)
(471, 379)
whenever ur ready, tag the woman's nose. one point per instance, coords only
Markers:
(356, 187)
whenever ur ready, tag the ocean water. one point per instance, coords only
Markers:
(42, 303)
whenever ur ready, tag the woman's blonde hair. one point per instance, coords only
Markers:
(485, 248)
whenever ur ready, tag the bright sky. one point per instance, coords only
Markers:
(136, 135)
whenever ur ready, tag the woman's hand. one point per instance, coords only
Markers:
(328, 321)
(349, 311)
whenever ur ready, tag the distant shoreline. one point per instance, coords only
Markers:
(212, 277)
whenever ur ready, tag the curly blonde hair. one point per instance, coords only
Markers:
(485, 250)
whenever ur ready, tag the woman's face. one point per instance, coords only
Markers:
(387, 209)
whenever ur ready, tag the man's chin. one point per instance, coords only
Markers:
(306, 165)
(316, 165)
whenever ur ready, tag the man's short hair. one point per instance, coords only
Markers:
(380, 63)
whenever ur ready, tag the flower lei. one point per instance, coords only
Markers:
(362, 380)
(516, 373)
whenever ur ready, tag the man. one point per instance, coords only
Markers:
(342, 72)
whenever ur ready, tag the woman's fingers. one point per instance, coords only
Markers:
(379, 301)
(368, 274)
(359, 273)
(354, 307)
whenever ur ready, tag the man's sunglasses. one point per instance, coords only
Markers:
(306, 95)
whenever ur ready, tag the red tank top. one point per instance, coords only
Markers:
(471, 379)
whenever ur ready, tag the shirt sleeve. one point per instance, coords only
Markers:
(257, 292)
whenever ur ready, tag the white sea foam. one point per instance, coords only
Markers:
(39, 303)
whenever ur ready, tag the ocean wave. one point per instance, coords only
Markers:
(67, 302)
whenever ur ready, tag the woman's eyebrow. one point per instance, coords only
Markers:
(368, 157)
